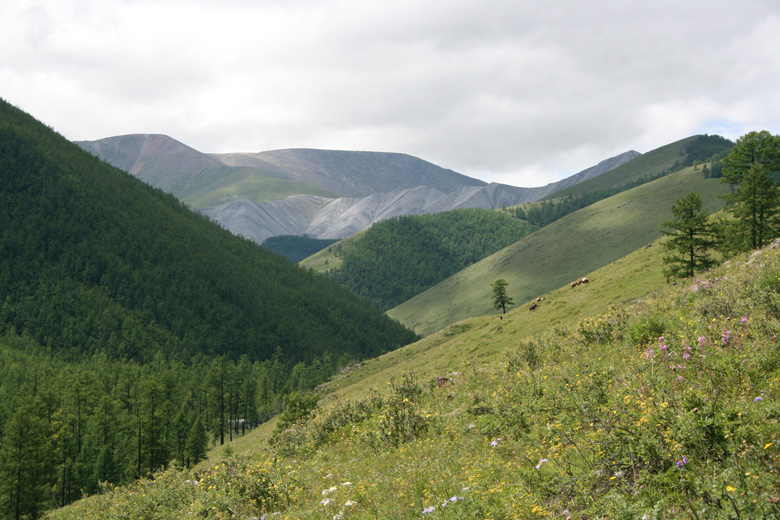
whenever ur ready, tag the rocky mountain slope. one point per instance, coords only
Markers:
(370, 186)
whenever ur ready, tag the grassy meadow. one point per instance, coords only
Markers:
(624, 398)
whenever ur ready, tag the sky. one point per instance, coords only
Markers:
(519, 92)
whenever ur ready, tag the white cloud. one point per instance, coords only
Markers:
(517, 92)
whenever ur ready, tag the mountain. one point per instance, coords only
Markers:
(155, 159)
(319, 193)
(83, 241)
(352, 174)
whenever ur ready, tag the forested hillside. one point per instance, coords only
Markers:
(399, 258)
(121, 309)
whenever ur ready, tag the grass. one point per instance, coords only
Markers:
(330, 257)
(640, 400)
(558, 253)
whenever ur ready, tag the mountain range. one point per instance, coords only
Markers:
(317, 193)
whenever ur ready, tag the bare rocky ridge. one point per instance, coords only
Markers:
(374, 185)
(155, 159)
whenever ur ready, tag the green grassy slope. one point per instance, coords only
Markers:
(559, 253)
(223, 184)
(629, 398)
(330, 257)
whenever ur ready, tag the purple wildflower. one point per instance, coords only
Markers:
(757, 399)
(702, 340)
(495, 442)
(649, 353)
(726, 337)
(541, 461)
(429, 510)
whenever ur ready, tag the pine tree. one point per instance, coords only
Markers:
(500, 298)
(690, 238)
(197, 443)
(756, 202)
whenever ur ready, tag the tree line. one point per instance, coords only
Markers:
(67, 427)
(752, 211)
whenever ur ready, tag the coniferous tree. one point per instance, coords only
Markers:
(690, 238)
(197, 442)
(500, 298)
(756, 202)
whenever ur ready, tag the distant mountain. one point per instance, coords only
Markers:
(155, 159)
(291, 192)
(352, 174)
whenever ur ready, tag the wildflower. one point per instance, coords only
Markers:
(495, 442)
(649, 353)
(681, 462)
(455, 498)
(702, 339)
(726, 337)
(541, 461)
(757, 399)
(347, 484)
(328, 491)
(730, 488)
(744, 320)
(349, 503)
(325, 501)
(429, 510)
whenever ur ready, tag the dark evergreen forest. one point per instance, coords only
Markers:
(134, 331)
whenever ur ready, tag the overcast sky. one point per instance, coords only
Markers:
(513, 91)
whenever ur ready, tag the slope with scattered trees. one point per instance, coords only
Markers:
(132, 328)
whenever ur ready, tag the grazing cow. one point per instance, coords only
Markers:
(533, 307)
(444, 380)
(584, 280)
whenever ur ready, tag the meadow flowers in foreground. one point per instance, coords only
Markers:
(666, 407)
